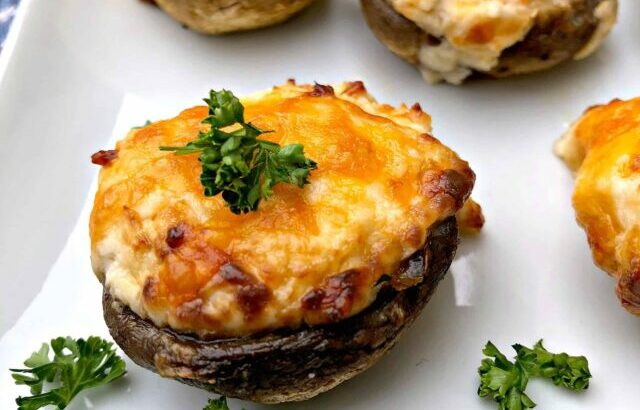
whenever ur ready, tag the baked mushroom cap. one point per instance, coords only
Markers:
(314, 286)
(294, 364)
(552, 33)
(225, 16)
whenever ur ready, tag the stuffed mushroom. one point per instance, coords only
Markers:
(225, 16)
(311, 288)
(449, 40)
(603, 149)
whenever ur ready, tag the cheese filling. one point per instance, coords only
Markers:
(473, 34)
(313, 255)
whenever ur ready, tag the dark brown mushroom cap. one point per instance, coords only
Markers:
(555, 37)
(291, 364)
(401, 35)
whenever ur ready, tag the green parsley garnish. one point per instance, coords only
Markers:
(217, 404)
(571, 372)
(503, 380)
(77, 365)
(506, 381)
(237, 163)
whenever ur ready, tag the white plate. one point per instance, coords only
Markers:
(531, 270)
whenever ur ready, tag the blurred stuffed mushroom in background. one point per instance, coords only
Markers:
(227, 16)
(448, 40)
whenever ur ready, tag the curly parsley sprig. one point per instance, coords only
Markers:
(571, 372)
(505, 381)
(77, 365)
(237, 163)
(217, 404)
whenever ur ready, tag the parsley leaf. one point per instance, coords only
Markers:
(503, 380)
(236, 163)
(76, 365)
(571, 372)
(217, 404)
(506, 381)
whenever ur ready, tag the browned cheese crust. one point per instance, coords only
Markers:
(306, 256)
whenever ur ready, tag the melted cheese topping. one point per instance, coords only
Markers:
(603, 148)
(311, 255)
(474, 33)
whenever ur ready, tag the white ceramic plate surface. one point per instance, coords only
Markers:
(64, 75)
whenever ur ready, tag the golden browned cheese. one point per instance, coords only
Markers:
(603, 148)
(311, 255)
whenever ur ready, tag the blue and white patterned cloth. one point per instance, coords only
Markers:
(7, 11)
